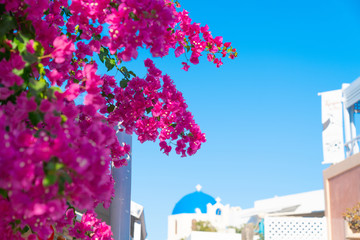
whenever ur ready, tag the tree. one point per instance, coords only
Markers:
(54, 154)
(204, 226)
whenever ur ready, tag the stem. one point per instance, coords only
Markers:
(45, 56)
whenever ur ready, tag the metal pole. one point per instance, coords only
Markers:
(120, 206)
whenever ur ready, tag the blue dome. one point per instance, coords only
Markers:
(194, 200)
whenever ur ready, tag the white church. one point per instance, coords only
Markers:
(199, 207)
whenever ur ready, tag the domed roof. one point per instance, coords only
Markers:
(192, 201)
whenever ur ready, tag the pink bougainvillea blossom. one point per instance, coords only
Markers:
(186, 66)
(55, 154)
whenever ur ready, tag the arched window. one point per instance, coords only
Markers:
(218, 211)
(175, 227)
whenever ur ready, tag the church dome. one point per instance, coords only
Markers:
(189, 203)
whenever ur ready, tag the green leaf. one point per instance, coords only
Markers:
(50, 166)
(49, 180)
(146, 14)
(109, 64)
(50, 93)
(35, 118)
(27, 30)
(37, 86)
(5, 55)
(23, 37)
(7, 23)
(79, 36)
(97, 37)
(66, 12)
(19, 43)
(29, 58)
(3, 193)
(110, 96)
(132, 73)
(39, 49)
(124, 69)
(18, 72)
(124, 83)
(26, 74)
(133, 16)
(114, 5)
(148, 110)
(63, 118)
(112, 61)
(25, 229)
(103, 54)
(59, 166)
(2, 8)
(110, 108)
(117, 58)
(67, 177)
(61, 185)
(63, 178)
(40, 68)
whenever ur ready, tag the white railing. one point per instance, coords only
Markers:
(352, 146)
(295, 228)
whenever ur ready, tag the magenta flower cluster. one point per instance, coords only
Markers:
(166, 108)
(90, 228)
(56, 156)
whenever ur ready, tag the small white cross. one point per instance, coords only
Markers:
(198, 187)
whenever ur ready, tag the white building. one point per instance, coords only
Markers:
(200, 207)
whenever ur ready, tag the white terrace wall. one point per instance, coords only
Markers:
(295, 228)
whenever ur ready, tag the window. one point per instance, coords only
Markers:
(218, 211)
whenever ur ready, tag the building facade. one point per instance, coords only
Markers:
(197, 215)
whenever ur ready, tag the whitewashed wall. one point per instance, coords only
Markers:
(213, 236)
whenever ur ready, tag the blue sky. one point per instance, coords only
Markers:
(260, 112)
